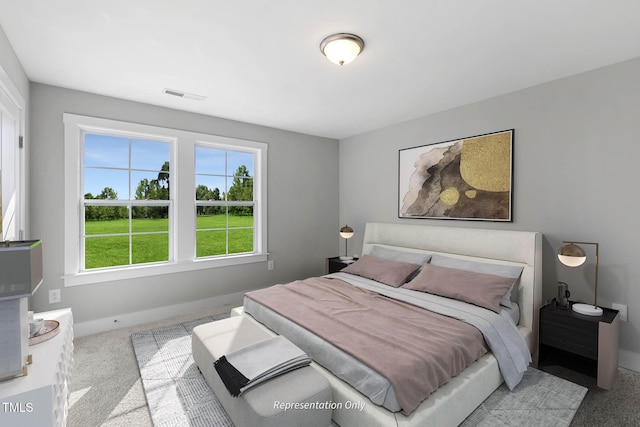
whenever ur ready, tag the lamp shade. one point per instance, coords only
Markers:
(346, 232)
(20, 268)
(342, 48)
(572, 255)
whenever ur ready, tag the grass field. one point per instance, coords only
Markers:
(150, 239)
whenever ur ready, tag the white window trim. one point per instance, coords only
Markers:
(227, 203)
(183, 168)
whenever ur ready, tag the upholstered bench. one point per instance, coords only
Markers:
(298, 398)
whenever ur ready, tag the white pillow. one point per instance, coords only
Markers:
(395, 255)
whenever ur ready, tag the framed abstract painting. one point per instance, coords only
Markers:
(469, 179)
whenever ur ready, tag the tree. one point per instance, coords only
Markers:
(163, 183)
(144, 190)
(90, 213)
(205, 193)
(101, 213)
(241, 190)
(202, 193)
(163, 175)
(108, 193)
(156, 189)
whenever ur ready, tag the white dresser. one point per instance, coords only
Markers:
(42, 397)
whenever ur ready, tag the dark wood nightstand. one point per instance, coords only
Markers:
(587, 344)
(335, 264)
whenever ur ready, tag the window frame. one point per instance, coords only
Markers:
(225, 203)
(128, 202)
(182, 226)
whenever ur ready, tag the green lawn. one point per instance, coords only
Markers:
(211, 239)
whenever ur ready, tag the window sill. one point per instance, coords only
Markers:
(109, 275)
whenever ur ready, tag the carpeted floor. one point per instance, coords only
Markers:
(106, 389)
(176, 391)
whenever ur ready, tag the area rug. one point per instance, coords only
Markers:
(539, 400)
(176, 391)
(178, 395)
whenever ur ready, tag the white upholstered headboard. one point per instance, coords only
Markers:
(499, 246)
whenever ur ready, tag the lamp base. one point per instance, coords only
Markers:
(587, 309)
(346, 258)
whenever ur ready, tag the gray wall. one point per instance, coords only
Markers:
(576, 153)
(302, 207)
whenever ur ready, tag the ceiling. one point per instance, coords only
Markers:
(259, 61)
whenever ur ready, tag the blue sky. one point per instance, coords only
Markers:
(106, 163)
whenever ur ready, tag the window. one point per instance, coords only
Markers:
(126, 201)
(150, 200)
(224, 201)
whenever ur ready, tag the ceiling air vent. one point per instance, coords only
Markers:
(186, 95)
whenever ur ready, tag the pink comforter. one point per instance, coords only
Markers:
(415, 349)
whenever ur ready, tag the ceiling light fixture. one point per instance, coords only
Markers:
(186, 95)
(342, 48)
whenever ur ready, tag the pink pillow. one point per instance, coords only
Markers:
(484, 290)
(389, 272)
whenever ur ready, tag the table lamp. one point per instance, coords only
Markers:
(20, 276)
(346, 233)
(573, 255)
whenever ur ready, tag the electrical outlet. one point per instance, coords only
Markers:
(270, 265)
(622, 309)
(54, 296)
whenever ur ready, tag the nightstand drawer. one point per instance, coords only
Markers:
(570, 334)
(335, 264)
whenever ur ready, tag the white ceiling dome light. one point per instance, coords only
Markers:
(342, 48)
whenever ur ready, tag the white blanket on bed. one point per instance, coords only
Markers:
(499, 330)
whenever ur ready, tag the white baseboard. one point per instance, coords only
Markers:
(81, 329)
(629, 360)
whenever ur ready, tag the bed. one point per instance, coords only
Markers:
(455, 400)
